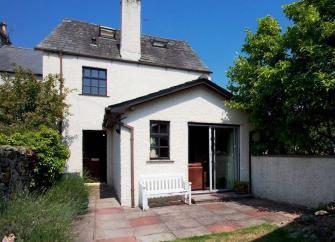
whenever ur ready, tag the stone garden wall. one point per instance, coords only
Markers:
(16, 165)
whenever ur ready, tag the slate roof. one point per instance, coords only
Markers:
(75, 37)
(114, 110)
(26, 58)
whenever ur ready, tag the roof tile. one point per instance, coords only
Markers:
(26, 58)
(75, 37)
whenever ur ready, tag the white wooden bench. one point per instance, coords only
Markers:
(163, 186)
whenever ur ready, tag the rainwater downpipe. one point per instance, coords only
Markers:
(250, 157)
(61, 87)
(132, 189)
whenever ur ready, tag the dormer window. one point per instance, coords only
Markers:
(159, 43)
(107, 33)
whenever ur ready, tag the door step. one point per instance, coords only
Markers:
(217, 197)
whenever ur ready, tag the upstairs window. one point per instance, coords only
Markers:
(94, 81)
(159, 140)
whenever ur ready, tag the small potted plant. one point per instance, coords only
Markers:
(241, 187)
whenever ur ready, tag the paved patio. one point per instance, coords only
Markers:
(107, 221)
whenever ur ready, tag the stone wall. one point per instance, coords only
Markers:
(16, 165)
(306, 181)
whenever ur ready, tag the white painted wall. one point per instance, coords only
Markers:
(125, 81)
(195, 105)
(305, 181)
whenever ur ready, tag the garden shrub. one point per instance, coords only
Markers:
(3, 139)
(47, 216)
(50, 151)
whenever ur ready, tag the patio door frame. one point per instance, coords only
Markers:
(211, 142)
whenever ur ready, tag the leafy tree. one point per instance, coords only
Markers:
(26, 103)
(286, 81)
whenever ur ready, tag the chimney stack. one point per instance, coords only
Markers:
(130, 46)
(4, 38)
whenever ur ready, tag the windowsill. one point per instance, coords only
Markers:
(160, 161)
(81, 94)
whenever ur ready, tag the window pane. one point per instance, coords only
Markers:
(164, 153)
(86, 82)
(94, 83)
(154, 127)
(102, 74)
(94, 90)
(164, 128)
(102, 91)
(154, 153)
(87, 72)
(102, 83)
(95, 73)
(159, 140)
(86, 90)
(154, 141)
(164, 141)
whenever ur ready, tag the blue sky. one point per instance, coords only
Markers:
(214, 28)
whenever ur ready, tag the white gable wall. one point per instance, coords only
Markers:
(196, 105)
(124, 81)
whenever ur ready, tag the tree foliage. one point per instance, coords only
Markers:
(286, 81)
(26, 102)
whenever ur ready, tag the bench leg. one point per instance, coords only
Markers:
(145, 205)
(189, 199)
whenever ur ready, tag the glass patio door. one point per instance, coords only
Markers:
(224, 157)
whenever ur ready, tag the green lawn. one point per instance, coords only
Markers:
(261, 233)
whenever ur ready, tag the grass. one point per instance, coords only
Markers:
(260, 233)
(45, 217)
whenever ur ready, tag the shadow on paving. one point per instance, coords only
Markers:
(106, 191)
(270, 206)
(307, 227)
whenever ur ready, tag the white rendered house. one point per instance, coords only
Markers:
(144, 105)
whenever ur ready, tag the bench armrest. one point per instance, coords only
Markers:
(187, 185)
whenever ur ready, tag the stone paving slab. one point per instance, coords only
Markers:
(181, 223)
(101, 233)
(223, 227)
(121, 223)
(107, 221)
(150, 229)
(142, 221)
(121, 239)
(156, 237)
(190, 232)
